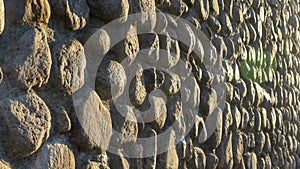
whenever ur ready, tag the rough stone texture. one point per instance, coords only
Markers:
(29, 62)
(27, 120)
(257, 46)
(74, 14)
(111, 80)
(95, 127)
(109, 10)
(55, 155)
(68, 66)
(37, 11)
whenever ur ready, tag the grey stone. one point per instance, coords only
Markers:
(150, 162)
(157, 112)
(175, 115)
(198, 160)
(244, 118)
(74, 14)
(55, 155)
(153, 79)
(228, 6)
(237, 14)
(208, 100)
(62, 120)
(244, 33)
(236, 116)
(226, 29)
(272, 118)
(237, 148)
(241, 85)
(68, 66)
(227, 119)
(177, 7)
(37, 12)
(214, 126)
(95, 126)
(221, 5)
(250, 160)
(147, 19)
(268, 162)
(251, 122)
(127, 48)
(32, 62)
(259, 142)
(229, 92)
(150, 42)
(241, 165)
(224, 153)
(250, 97)
(258, 120)
(202, 8)
(236, 72)
(274, 158)
(252, 16)
(231, 49)
(187, 39)
(2, 17)
(229, 71)
(256, 4)
(110, 80)
(220, 47)
(251, 140)
(169, 159)
(137, 89)
(23, 138)
(294, 22)
(172, 47)
(212, 161)
(264, 118)
(279, 118)
(214, 7)
(280, 157)
(207, 78)
(205, 28)
(259, 29)
(125, 125)
(118, 161)
(261, 164)
(109, 10)
(189, 2)
(171, 84)
(252, 32)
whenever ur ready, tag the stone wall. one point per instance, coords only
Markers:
(43, 66)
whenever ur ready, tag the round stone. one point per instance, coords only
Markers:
(27, 119)
(68, 66)
(111, 80)
(55, 155)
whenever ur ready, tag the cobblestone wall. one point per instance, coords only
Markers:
(43, 65)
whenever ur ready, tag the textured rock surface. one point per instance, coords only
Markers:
(27, 120)
(74, 14)
(51, 118)
(98, 120)
(55, 156)
(68, 66)
(30, 62)
(37, 11)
